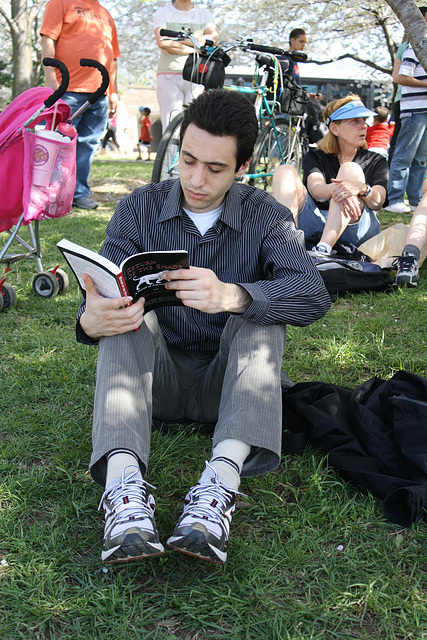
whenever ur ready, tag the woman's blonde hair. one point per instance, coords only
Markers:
(329, 144)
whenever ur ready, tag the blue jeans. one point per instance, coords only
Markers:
(408, 165)
(90, 127)
(311, 219)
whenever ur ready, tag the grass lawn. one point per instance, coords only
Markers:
(310, 557)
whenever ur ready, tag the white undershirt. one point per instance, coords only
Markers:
(204, 221)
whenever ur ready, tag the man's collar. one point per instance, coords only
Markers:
(231, 212)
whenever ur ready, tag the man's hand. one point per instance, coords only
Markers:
(114, 102)
(108, 316)
(200, 289)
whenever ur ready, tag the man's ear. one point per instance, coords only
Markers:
(243, 168)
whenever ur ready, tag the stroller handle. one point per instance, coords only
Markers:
(65, 79)
(87, 62)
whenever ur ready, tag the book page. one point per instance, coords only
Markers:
(102, 271)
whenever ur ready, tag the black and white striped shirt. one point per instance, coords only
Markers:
(254, 243)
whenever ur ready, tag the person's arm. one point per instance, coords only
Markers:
(182, 48)
(48, 51)
(409, 81)
(396, 68)
(174, 47)
(376, 197)
(113, 96)
(318, 187)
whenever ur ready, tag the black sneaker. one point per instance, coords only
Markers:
(408, 271)
(202, 530)
(130, 530)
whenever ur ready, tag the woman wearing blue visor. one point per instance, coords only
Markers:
(343, 183)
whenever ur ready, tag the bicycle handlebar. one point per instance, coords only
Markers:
(65, 79)
(171, 34)
(264, 49)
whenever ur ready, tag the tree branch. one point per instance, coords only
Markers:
(368, 63)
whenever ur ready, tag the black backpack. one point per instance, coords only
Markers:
(348, 269)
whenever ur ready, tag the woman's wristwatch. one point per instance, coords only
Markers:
(366, 192)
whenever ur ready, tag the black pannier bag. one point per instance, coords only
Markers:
(206, 69)
(293, 98)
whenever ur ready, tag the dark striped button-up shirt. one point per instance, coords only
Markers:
(254, 244)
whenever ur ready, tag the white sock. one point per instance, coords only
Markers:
(227, 459)
(324, 247)
(117, 461)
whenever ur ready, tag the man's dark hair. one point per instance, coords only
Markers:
(224, 113)
(423, 10)
(295, 33)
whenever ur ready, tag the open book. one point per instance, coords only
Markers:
(140, 275)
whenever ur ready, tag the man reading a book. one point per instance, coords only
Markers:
(216, 356)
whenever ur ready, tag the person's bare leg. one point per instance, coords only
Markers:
(288, 188)
(337, 222)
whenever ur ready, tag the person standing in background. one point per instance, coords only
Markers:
(297, 42)
(145, 136)
(72, 30)
(172, 90)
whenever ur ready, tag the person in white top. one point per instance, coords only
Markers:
(172, 90)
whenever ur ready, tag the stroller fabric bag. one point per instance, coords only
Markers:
(49, 174)
(12, 121)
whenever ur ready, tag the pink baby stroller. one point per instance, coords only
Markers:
(38, 173)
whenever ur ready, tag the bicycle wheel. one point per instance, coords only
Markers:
(166, 162)
(277, 144)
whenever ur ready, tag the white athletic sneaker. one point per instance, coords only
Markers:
(204, 526)
(408, 271)
(130, 530)
(398, 207)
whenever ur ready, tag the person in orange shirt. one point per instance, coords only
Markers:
(71, 30)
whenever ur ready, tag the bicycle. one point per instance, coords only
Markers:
(281, 137)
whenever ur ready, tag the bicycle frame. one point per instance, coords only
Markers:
(266, 106)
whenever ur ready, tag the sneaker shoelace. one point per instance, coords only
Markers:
(212, 499)
(404, 263)
(135, 490)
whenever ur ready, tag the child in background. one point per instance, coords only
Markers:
(145, 132)
(379, 135)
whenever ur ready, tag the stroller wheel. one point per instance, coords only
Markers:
(8, 297)
(63, 280)
(45, 284)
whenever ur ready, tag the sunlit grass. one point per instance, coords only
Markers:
(311, 556)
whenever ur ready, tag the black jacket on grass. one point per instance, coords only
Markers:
(376, 435)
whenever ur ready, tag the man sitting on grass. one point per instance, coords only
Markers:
(215, 359)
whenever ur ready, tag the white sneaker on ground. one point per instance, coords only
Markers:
(202, 530)
(398, 207)
(130, 530)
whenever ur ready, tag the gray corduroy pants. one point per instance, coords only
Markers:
(238, 388)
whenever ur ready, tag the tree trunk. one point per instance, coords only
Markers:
(415, 26)
(21, 47)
